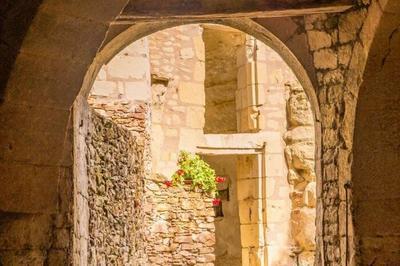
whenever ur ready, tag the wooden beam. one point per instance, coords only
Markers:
(151, 9)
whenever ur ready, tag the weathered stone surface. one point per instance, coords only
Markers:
(310, 199)
(116, 191)
(307, 258)
(300, 158)
(181, 222)
(190, 92)
(298, 107)
(302, 232)
(301, 155)
(350, 24)
(325, 59)
(92, 18)
(221, 78)
(318, 39)
(299, 134)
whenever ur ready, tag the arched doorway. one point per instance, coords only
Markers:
(79, 115)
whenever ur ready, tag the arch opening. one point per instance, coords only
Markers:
(158, 83)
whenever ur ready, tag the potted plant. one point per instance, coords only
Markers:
(193, 170)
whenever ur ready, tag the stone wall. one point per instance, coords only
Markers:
(177, 57)
(125, 77)
(121, 95)
(119, 158)
(221, 48)
(35, 143)
(116, 184)
(179, 225)
(300, 158)
(339, 44)
(117, 94)
(45, 239)
(376, 148)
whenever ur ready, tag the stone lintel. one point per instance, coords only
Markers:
(145, 9)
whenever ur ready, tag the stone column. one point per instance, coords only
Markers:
(252, 187)
(300, 159)
(251, 195)
(250, 83)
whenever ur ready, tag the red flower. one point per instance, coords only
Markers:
(216, 202)
(220, 179)
(180, 172)
(168, 183)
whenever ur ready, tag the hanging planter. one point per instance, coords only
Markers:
(220, 179)
(216, 202)
(217, 206)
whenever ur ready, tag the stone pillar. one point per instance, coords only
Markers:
(250, 93)
(251, 197)
(300, 159)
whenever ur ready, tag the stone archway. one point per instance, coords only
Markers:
(376, 165)
(36, 137)
(143, 29)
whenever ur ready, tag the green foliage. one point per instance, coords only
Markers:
(191, 167)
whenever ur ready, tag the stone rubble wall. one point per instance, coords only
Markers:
(166, 225)
(117, 94)
(179, 225)
(116, 187)
(118, 158)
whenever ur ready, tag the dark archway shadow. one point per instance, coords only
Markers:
(376, 165)
(15, 18)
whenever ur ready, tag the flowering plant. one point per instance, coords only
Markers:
(168, 183)
(220, 179)
(192, 167)
(216, 202)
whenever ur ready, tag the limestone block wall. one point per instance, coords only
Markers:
(116, 187)
(125, 77)
(38, 239)
(273, 73)
(221, 48)
(261, 105)
(176, 55)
